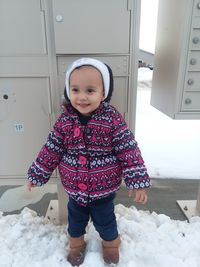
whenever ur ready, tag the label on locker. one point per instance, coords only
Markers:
(19, 127)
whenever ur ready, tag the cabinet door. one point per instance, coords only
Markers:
(24, 122)
(91, 26)
(22, 27)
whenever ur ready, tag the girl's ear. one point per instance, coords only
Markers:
(103, 96)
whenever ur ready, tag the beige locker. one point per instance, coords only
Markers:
(24, 122)
(91, 26)
(22, 28)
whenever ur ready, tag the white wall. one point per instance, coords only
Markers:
(148, 21)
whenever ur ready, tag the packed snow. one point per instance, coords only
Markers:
(148, 240)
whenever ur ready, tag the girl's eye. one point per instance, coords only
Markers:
(74, 90)
(90, 91)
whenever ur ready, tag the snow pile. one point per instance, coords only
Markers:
(148, 240)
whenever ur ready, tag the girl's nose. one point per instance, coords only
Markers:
(82, 96)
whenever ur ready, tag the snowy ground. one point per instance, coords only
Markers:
(169, 147)
(148, 240)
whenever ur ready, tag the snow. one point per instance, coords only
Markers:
(148, 240)
(170, 148)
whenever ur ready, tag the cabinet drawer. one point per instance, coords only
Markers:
(192, 81)
(195, 39)
(196, 10)
(191, 101)
(194, 61)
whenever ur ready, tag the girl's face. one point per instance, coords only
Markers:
(86, 89)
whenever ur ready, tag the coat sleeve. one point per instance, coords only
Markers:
(128, 154)
(48, 157)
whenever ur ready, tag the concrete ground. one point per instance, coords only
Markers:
(162, 197)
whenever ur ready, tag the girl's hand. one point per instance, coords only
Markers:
(29, 186)
(140, 195)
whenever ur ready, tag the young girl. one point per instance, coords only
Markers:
(93, 149)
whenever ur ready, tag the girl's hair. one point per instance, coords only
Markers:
(111, 88)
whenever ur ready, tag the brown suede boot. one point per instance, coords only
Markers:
(77, 250)
(111, 250)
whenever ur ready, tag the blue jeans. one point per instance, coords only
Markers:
(102, 214)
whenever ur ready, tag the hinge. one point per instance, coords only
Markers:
(130, 4)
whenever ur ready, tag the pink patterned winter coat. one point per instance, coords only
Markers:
(91, 158)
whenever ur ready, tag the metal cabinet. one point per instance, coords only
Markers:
(176, 78)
